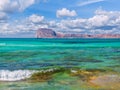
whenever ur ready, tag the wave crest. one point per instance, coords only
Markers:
(6, 75)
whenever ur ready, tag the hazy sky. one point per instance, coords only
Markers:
(21, 18)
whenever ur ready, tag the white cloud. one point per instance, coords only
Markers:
(23, 4)
(9, 6)
(36, 18)
(3, 16)
(65, 12)
(27, 25)
(102, 22)
(87, 2)
(98, 20)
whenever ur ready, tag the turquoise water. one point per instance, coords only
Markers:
(40, 54)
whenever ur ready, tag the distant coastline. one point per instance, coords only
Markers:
(49, 33)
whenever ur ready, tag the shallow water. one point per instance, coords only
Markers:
(42, 54)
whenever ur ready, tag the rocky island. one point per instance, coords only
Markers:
(49, 33)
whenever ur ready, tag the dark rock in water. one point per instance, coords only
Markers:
(46, 33)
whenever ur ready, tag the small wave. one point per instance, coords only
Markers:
(17, 75)
(6, 75)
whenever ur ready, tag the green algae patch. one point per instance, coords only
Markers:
(40, 76)
(45, 75)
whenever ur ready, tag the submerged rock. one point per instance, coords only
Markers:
(82, 74)
(106, 80)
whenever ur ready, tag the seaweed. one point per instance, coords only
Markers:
(45, 75)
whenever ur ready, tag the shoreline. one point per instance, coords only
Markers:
(90, 78)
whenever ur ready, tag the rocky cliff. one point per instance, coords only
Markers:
(49, 33)
(46, 33)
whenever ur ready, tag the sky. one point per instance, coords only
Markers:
(22, 18)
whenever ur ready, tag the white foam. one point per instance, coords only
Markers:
(17, 75)
(6, 75)
(73, 71)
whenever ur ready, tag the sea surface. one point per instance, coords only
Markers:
(20, 59)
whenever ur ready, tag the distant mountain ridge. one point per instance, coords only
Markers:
(49, 33)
